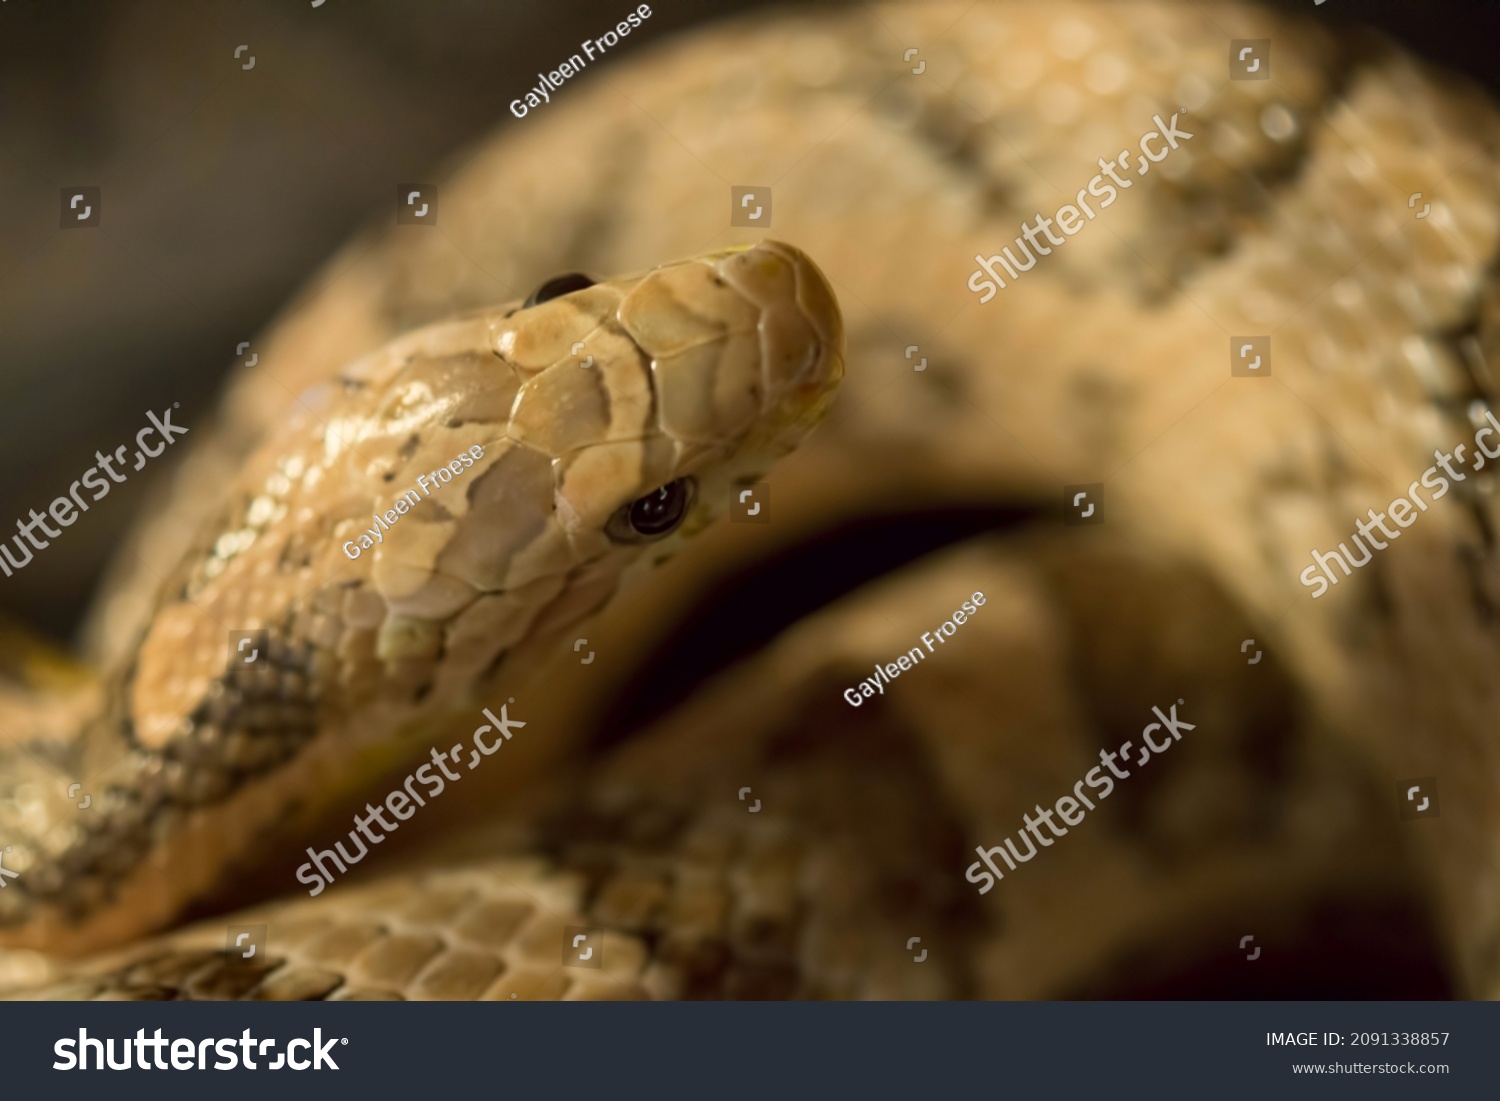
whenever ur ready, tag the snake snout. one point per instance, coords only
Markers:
(801, 328)
(745, 347)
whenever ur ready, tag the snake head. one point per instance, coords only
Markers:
(708, 371)
(593, 420)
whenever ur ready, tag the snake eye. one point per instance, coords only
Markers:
(558, 286)
(656, 514)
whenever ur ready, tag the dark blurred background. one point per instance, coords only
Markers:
(224, 188)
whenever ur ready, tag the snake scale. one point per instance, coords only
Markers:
(1284, 214)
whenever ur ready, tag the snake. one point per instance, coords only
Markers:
(701, 374)
(702, 801)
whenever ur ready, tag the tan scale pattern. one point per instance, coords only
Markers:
(483, 933)
(193, 755)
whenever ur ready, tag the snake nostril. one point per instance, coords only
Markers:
(558, 286)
